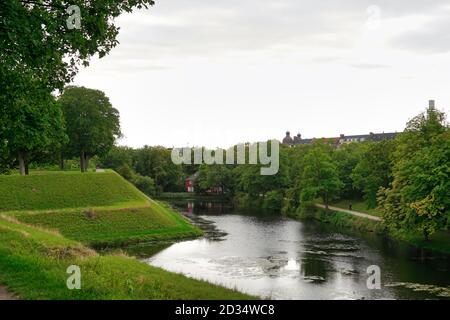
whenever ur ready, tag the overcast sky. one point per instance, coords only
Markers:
(219, 72)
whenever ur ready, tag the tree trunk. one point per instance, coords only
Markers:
(21, 163)
(426, 235)
(61, 161)
(86, 162)
(325, 200)
(82, 160)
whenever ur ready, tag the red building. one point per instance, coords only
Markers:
(190, 182)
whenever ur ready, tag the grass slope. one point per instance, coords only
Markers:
(57, 190)
(33, 264)
(47, 219)
(98, 209)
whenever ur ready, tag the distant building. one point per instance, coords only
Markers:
(190, 185)
(190, 182)
(342, 139)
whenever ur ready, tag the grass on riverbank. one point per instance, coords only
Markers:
(439, 241)
(340, 219)
(33, 264)
(357, 205)
(98, 209)
(115, 227)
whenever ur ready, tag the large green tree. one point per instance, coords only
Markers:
(216, 175)
(419, 198)
(156, 162)
(347, 158)
(31, 123)
(39, 38)
(374, 170)
(320, 177)
(92, 124)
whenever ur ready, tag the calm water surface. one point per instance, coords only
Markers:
(279, 258)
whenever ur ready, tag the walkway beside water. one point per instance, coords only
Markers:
(355, 213)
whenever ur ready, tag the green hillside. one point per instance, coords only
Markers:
(98, 209)
(114, 227)
(63, 190)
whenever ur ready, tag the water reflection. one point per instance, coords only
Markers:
(279, 258)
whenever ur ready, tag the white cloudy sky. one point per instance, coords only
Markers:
(218, 72)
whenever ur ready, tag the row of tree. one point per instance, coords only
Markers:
(40, 52)
(407, 178)
(80, 123)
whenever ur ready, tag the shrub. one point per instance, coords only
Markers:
(145, 184)
(273, 200)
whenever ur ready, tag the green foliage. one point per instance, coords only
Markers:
(346, 158)
(374, 170)
(156, 163)
(145, 184)
(35, 41)
(418, 199)
(320, 177)
(215, 176)
(32, 123)
(117, 157)
(92, 124)
(273, 201)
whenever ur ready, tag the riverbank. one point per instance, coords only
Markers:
(440, 241)
(49, 222)
(34, 261)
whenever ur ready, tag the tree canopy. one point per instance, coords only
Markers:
(92, 124)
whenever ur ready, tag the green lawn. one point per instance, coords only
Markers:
(33, 264)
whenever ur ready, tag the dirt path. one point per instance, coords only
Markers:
(355, 213)
(5, 294)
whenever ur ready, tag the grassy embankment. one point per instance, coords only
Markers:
(439, 241)
(98, 209)
(46, 221)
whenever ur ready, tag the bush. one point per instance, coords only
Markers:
(273, 200)
(145, 184)
(126, 172)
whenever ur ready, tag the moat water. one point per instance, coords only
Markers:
(279, 258)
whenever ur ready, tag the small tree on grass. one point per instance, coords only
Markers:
(92, 123)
